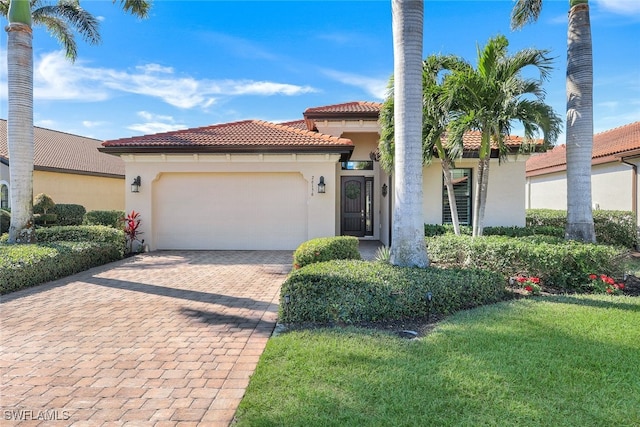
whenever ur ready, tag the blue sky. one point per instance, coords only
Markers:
(197, 63)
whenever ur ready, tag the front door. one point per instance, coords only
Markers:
(357, 206)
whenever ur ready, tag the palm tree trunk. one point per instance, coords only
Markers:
(408, 246)
(579, 125)
(453, 205)
(20, 130)
(480, 199)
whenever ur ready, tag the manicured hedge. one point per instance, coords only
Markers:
(350, 291)
(22, 266)
(560, 264)
(60, 251)
(326, 249)
(69, 214)
(5, 221)
(616, 228)
(114, 219)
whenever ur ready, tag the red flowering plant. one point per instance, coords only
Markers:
(530, 284)
(131, 225)
(602, 283)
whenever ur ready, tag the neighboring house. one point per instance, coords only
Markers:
(259, 185)
(70, 169)
(614, 173)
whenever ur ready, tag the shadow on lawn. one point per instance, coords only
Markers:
(614, 302)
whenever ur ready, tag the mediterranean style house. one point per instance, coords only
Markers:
(614, 173)
(70, 169)
(259, 185)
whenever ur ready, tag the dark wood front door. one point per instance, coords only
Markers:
(357, 206)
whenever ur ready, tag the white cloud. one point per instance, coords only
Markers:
(155, 123)
(155, 127)
(55, 78)
(376, 87)
(92, 124)
(624, 7)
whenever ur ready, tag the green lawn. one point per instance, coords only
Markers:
(552, 361)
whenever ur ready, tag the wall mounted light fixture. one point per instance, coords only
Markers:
(385, 189)
(321, 185)
(135, 185)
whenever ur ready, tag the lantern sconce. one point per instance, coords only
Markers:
(385, 189)
(321, 185)
(135, 185)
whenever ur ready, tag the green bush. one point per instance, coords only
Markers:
(326, 249)
(114, 219)
(618, 228)
(348, 291)
(84, 233)
(69, 214)
(5, 221)
(22, 266)
(533, 230)
(560, 264)
(42, 204)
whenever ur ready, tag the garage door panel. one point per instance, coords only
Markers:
(230, 211)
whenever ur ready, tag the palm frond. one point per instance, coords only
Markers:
(139, 8)
(525, 12)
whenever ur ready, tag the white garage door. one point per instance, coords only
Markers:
(230, 211)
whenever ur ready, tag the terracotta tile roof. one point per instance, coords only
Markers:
(299, 124)
(606, 146)
(243, 136)
(59, 151)
(348, 108)
(472, 141)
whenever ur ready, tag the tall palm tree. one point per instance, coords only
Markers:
(579, 132)
(436, 108)
(61, 20)
(492, 96)
(408, 247)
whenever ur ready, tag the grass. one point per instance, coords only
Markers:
(561, 361)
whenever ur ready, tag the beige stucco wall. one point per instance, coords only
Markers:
(546, 191)
(92, 192)
(505, 198)
(320, 208)
(611, 188)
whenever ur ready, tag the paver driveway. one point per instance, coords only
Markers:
(166, 338)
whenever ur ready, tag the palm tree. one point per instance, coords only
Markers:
(436, 108)
(579, 132)
(492, 96)
(60, 20)
(408, 247)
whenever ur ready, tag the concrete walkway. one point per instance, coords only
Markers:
(161, 339)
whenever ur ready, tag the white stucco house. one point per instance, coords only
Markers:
(260, 185)
(614, 173)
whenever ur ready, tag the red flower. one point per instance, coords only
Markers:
(593, 276)
(610, 280)
(609, 290)
(528, 288)
(521, 279)
(620, 285)
(534, 279)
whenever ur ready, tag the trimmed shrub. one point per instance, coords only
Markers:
(431, 230)
(84, 233)
(560, 264)
(114, 219)
(533, 230)
(618, 228)
(326, 249)
(22, 266)
(69, 214)
(349, 291)
(5, 221)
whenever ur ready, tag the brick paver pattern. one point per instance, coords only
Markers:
(168, 338)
